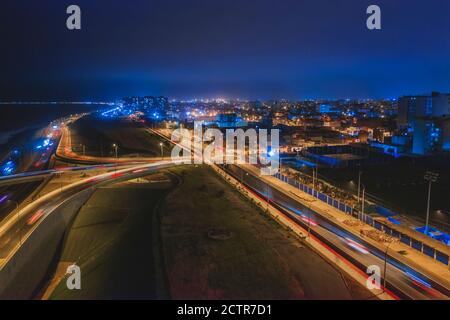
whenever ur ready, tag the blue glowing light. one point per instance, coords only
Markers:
(8, 168)
(419, 280)
(394, 221)
(3, 198)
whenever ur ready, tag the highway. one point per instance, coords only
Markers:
(12, 196)
(15, 189)
(400, 279)
(15, 230)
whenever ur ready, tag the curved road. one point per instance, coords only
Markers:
(15, 230)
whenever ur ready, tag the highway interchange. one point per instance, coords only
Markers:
(401, 280)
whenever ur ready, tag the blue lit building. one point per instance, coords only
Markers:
(431, 136)
(153, 107)
(425, 119)
(229, 120)
(326, 108)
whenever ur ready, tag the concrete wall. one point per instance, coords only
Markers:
(23, 273)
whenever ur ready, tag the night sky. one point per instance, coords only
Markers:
(254, 49)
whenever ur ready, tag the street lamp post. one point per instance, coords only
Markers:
(314, 178)
(363, 201)
(430, 177)
(317, 170)
(115, 149)
(242, 176)
(309, 221)
(385, 265)
(61, 184)
(18, 218)
(162, 151)
(359, 185)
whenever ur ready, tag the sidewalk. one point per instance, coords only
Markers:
(413, 258)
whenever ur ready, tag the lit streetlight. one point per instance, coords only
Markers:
(162, 150)
(115, 149)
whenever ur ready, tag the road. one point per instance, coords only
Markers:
(400, 279)
(35, 153)
(15, 189)
(15, 230)
(12, 195)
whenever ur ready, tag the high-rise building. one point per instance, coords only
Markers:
(441, 104)
(431, 136)
(411, 107)
(426, 120)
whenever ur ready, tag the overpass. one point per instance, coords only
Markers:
(29, 241)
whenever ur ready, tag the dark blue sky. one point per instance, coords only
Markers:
(232, 48)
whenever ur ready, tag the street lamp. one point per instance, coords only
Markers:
(162, 151)
(115, 148)
(385, 265)
(83, 147)
(359, 185)
(18, 217)
(309, 219)
(430, 177)
(363, 201)
(242, 176)
(317, 170)
(314, 178)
